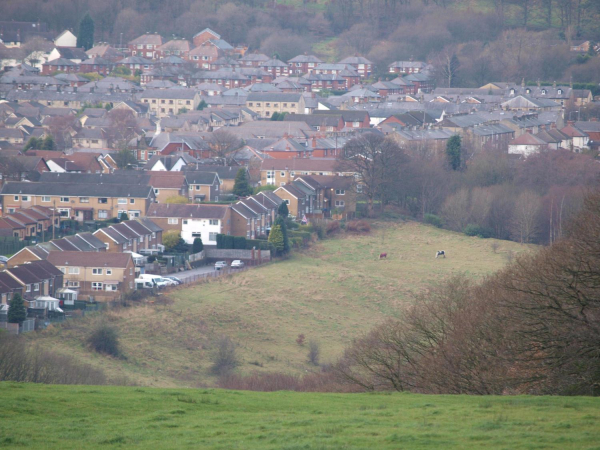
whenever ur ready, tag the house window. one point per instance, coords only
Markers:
(102, 214)
(132, 201)
(108, 271)
(84, 199)
(185, 222)
(36, 287)
(249, 103)
(96, 286)
(122, 201)
(197, 187)
(16, 198)
(293, 174)
(282, 183)
(64, 199)
(173, 221)
(340, 192)
(156, 191)
(213, 221)
(28, 288)
(25, 198)
(97, 271)
(45, 199)
(103, 200)
(73, 284)
(283, 174)
(287, 202)
(110, 287)
(339, 203)
(73, 270)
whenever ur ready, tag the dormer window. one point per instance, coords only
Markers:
(560, 92)
(528, 91)
(543, 91)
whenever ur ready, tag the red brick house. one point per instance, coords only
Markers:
(96, 65)
(59, 65)
(363, 66)
(406, 67)
(275, 67)
(254, 60)
(203, 36)
(204, 55)
(145, 45)
(303, 64)
(175, 47)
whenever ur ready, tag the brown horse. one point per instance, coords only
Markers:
(382, 255)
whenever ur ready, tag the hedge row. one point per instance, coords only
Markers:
(227, 242)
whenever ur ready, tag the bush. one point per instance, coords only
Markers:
(358, 226)
(476, 230)
(239, 242)
(227, 242)
(224, 358)
(220, 240)
(259, 244)
(105, 339)
(305, 235)
(320, 228)
(434, 220)
(313, 352)
(308, 228)
(197, 246)
(333, 227)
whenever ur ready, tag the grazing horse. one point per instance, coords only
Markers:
(440, 253)
(382, 255)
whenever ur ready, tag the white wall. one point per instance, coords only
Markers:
(524, 150)
(199, 226)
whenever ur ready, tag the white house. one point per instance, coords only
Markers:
(526, 144)
(206, 229)
(66, 39)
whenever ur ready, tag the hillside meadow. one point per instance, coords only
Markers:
(330, 293)
(42, 416)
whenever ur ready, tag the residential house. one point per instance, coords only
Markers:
(192, 221)
(167, 185)
(275, 67)
(406, 67)
(279, 172)
(99, 276)
(203, 186)
(363, 66)
(145, 46)
(175, 47)
(335, 196)
(226, 174)
(59, 65)
(296, 199)
(166, 102)
(96, 65)
(350, 118)
(526, 145)
(302, 64)
(579, 139)
(204, 55)
(253, 60)
(268, 103)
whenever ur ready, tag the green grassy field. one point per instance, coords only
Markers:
(330, 293)
(40, 416)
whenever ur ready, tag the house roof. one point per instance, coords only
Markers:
(150, 225)
(77, 189)
(147, 39)
(196, 211)
(273, 97)
(295, 191)
(528, 139)
(205, 178)
(224, 172)
(113, 234)
(301, 164)
(305, 59)
(244, 211)
(173, 94)
(89, 259)
(355, 60)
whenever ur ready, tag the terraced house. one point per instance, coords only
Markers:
(80, 201)
(100, 276)
(167, 102)
(268, 103)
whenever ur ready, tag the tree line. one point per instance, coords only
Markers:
(484, 193)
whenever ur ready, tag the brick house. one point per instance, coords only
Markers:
(296, 199)
(166, 102)
(145, 45)
(363, 66)
(302, 64)
(204, 36)
(253, 60)
(96, 65)
(175, 47)
(268, 103)
(204, 55)
(203, 186)
(59, 65)
(275, 67)
(406, 67)
(101, 276)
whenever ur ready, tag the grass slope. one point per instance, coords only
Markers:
(40, 416)
(330, 293)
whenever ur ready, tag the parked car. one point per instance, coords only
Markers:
(174, 279)
(168, 281)
(220, 264)
(237, 264)
(157, 280)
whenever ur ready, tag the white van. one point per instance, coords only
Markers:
(143, 284)
(157, 280)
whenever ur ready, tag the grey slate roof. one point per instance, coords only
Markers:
(273, 97)
(77, 189)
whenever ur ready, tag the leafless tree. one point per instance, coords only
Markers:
(526, 217)
(123, 127)
(225, 145)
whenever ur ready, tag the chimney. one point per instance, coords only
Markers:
(570, 122)
(528, 131)
(553, 125)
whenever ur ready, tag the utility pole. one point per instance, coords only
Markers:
(53, 220)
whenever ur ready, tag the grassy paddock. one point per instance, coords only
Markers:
(41, 416)
(330, 293)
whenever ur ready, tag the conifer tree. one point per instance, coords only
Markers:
(85, 37)
(241, 187)
(283, 210)
(276, 239)
(17, 312)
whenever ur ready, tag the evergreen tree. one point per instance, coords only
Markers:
(242, 187)
(48, 143)
(202, 105)
(197, 246)
(453, 152)
(85, 37)
(283, 210)
(17, 312)
(286, 241)
(123, 217)
(33, 144)
(276, 239)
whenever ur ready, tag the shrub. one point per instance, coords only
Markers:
(313, 352)
(434, 220)
(224, 358)
(476, 230)
(105, 339)
(320, 229)
(333, 227)
(308, 228)
(197, 246)
(300, 339)
(220, 240)
(358, 226)
(227, 242)
(17, 312)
